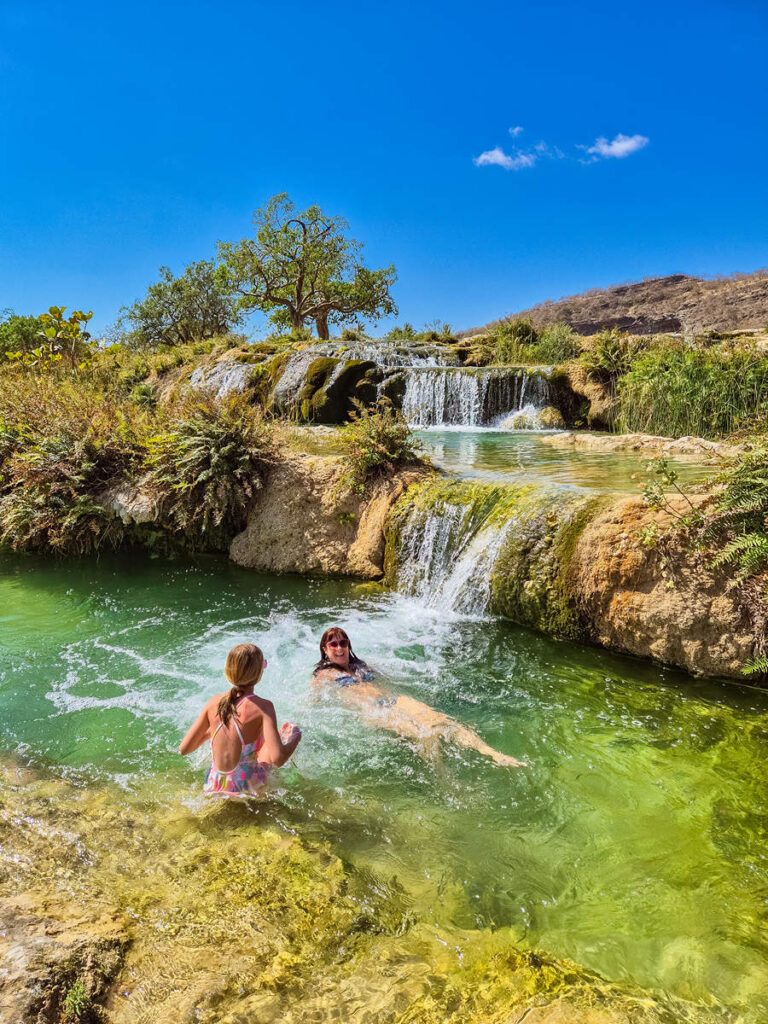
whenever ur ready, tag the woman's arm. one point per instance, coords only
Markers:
(274, 751)
(198, 734)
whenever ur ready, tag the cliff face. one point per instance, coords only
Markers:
(563, 561)
(304, 520)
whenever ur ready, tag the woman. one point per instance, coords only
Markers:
(340, 667)
(242, 729)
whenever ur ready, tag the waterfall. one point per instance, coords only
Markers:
(470, 397)
(475, 549)
(389, 354)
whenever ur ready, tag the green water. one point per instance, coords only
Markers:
(635, 843)
(506, 455)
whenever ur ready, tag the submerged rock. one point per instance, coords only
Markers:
(232, 919)
(531, 418)
(57, 963)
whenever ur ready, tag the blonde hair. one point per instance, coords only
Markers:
(243, 668)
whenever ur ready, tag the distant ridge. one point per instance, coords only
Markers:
(659, 305)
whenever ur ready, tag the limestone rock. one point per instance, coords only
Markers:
(45, 953)
(665, 604)
(227, 377)
(304, 521)
(649, 443)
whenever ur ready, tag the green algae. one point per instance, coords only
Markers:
(230, 919)
(532, 580)
(530, 577)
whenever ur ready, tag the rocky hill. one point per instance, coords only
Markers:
(661, 305)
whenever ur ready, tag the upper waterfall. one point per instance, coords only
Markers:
(470, 397)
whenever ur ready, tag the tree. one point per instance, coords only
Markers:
(19, 333)
(66, 336)
(301, 268)
(178, 310)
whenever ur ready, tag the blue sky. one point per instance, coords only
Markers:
(135, 135)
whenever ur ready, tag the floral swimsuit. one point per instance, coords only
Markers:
(248, 776)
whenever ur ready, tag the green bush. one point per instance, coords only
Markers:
(405, 333)
(676, 391)
(376, 441)
(51, 490)
(611, 355)
(557, 344)
(515, 342)
(19, 333)
(205, 468)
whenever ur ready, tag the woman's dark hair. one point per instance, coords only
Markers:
(334, 633)
(243, 668)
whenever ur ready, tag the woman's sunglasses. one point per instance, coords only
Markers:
(337, 643)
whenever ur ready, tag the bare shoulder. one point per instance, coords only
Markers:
(258, 706)
(325, 675)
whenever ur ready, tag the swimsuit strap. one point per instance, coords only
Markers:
(242, 744)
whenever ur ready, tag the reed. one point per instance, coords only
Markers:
(677, 391)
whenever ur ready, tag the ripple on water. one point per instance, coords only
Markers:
(634, 843)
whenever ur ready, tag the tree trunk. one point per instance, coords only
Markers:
(321, 322)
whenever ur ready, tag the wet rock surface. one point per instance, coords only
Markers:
(233, 920)
(57, 963)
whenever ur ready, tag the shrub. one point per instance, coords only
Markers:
(557, 344)
(52, 488)
(19, 333)
(376, 441)
(405, 333)
(206, 467)
(515, 342)
(611, 355)
(677, 391)
(143, 395)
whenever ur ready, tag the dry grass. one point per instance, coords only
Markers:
(659, 305)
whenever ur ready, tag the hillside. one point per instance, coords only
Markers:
(660, 305)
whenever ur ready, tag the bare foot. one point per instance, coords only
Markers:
(509, 762)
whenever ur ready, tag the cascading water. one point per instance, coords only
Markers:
(475, 549)
(474, 397)
(389, 354)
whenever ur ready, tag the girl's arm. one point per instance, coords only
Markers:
(198, 734)
(274, 750)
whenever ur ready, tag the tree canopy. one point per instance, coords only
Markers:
(300, 268)
(18, 333)
(178, 310)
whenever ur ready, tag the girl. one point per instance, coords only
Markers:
(242, 729)
(341, 667)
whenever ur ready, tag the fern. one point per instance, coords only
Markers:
(741, 515)
(207, 469)
(757, 665)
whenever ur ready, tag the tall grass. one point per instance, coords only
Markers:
(66, 440)
(677, 391)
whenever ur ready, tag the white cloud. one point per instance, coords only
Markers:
(498, 158)
(514, 132)
(619, 147)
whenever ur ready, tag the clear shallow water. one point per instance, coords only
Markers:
(634, 843)
(506, 455)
